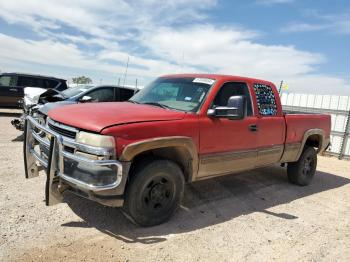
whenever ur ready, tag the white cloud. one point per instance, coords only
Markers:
(339, 24)
(52, 53)
(101, 18)
(228, 50)
(161, 38)
(303, 27)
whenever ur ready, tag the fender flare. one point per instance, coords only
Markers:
(322, 143)
(134, 149)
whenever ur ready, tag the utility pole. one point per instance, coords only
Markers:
(183, 61)
(280, 89)
(345, 138)
(126, 71)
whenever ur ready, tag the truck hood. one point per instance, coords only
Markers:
(97, 116)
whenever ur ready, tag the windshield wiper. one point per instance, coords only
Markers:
(132, 101)
(157, 104)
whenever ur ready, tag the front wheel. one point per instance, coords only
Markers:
(154, 192)
(303, 171)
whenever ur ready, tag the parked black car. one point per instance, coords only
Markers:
(12, 86)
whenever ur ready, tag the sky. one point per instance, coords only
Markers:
(305, 43)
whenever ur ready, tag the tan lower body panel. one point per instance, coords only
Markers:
(270, 155)
(223, 163)
(233, 162)
(291, 152)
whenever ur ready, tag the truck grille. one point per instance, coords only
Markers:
(62, 129)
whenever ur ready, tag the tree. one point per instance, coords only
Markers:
(82, 80)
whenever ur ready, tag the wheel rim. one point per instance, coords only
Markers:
(158, 194)
(308, 166)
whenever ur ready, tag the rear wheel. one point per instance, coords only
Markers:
(303, 171)
(154, 193)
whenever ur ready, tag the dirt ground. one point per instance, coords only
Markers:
(255, 216)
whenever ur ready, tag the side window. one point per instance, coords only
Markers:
(26, 81)
(265, 99)
(102, 95)
(7, 81)
(51, 83)
(40, 82)
(60, 85)
(125, 94)
(233, 89)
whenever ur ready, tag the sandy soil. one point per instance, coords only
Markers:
(255, 215)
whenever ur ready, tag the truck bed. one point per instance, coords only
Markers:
(298, 123)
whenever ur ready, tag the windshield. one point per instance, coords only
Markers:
(73, 91)
(185, 94)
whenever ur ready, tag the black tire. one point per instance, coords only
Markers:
(303, 171)
(154, 193)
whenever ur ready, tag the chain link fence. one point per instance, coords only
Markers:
(339, 109)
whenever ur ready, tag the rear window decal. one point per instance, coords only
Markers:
(265, 99)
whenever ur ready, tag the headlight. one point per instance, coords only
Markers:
(95, 139)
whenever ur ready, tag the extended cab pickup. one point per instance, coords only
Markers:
(181, 128)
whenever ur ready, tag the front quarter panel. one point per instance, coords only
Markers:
(136, 132)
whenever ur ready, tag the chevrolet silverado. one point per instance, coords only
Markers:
(139, 154)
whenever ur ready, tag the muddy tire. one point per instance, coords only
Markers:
(302, 172)
(154, 192)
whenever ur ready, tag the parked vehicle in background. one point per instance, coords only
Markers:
(12, 87)
(81, 94)
(181, 128)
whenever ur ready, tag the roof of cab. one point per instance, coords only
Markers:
(220, 77)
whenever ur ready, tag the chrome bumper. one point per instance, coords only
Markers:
(36, 138)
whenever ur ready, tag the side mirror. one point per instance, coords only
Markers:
(235, 109)
(85, 99)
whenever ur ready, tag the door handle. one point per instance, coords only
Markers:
(253, 127)
(14, 89)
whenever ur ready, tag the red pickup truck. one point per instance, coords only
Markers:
(179, 129)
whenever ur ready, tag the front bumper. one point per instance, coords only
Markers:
(99, 179)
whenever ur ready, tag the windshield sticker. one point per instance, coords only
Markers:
(187, 98)
(207, 81)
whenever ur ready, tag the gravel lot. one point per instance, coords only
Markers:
(255, 215)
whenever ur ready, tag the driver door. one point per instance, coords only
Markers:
(226, 145)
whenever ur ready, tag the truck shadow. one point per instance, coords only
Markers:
(207, 203)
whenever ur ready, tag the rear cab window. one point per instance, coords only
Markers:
(265, 99)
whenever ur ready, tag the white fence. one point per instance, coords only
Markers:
(337, 106)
